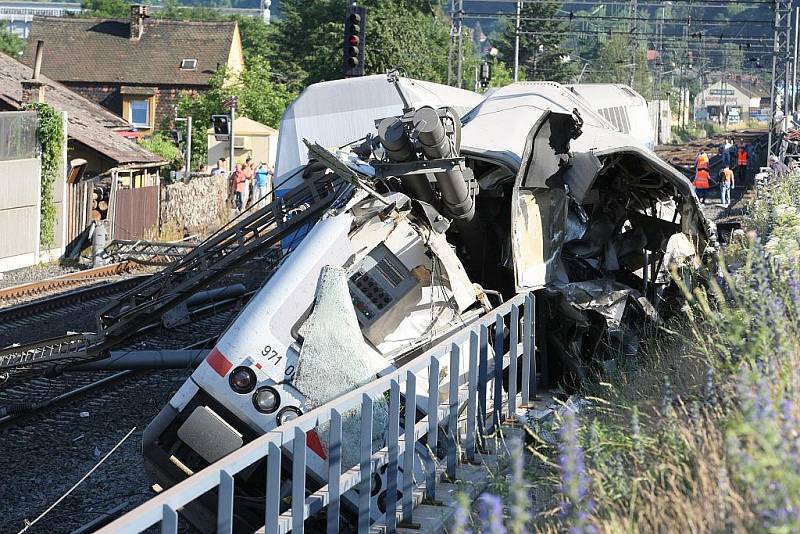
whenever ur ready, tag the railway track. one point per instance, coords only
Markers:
(31, 289)
(683, 156)
(76, 386)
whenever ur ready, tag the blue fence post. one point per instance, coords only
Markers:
(169, 520)
(483, 364)
(409, 452)
(452, 414)
(365, 484)
(273, 497)
(334, 471)
(298, 480)
(526, 352)
(433, 428)
(225, 504)
(530, 302)
(513, 340)
(499, 351)
(393, 436)
(535, 384)
(472, 396)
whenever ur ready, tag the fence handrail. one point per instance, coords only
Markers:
(221, 472)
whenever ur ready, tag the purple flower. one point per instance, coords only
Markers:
(462, 516)
(491, 514)
(577, 504)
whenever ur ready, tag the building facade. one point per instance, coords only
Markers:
(136, 68)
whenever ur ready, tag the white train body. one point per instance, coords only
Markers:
(621, 106)
(383, 276)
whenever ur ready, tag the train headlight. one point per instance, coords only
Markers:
(242, 380)
(288, 414)
(266, 399)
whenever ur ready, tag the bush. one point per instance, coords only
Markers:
(161, 144)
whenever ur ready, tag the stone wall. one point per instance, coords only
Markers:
(194, 207)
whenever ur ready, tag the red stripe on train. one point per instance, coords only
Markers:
(219, 362)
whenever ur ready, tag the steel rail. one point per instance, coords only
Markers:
(14, 414)
(66, 280)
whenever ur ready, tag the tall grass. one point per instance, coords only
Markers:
(699, 433)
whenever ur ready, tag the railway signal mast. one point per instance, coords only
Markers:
(355, 34)
(781, 58)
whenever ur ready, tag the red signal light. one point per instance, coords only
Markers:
(354, 40)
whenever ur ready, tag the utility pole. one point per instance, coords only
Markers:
(451, 45)
(230, 103)
(794, 62)
(516, 40)
(633, 28)
(780, 63)
(460, 44)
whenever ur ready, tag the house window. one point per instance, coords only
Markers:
(139, 113)
(189, 64)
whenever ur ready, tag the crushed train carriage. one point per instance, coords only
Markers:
(439, 218)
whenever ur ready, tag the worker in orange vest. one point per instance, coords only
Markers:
(702, 161)
(701, 184)
(741, 164)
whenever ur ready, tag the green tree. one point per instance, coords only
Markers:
(408, 35)
(9, 43)
(259, 98)
(614, 65)
(108, 9)
(541, 43)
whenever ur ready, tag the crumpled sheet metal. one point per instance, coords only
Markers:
(606, 297)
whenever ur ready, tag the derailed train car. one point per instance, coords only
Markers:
(441, 218)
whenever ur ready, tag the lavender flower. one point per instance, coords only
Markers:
(462, 517)
(520, 501)
(574, 482)
(491, 514)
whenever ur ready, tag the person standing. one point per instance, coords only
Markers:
(701, 184)
(741, 164)
(701, 163)
(263, 183)
(247, 172)
(239, 181)
(726, 184)
(726, 153)
(220, 168)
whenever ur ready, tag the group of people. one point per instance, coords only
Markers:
(249, 183)
(727, 177)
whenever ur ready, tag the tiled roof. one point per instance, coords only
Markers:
(99, 50)
(88, 123)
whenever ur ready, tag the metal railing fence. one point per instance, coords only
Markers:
(478, 384)
(18, 139)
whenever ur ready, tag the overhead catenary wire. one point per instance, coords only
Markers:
(79, 482)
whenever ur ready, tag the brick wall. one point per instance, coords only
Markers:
(108, 95)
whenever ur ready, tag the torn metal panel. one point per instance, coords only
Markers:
(581, 174)
(537, 235)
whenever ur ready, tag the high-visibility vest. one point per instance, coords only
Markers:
(702, 161)
(701, 179)
(741, 157)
